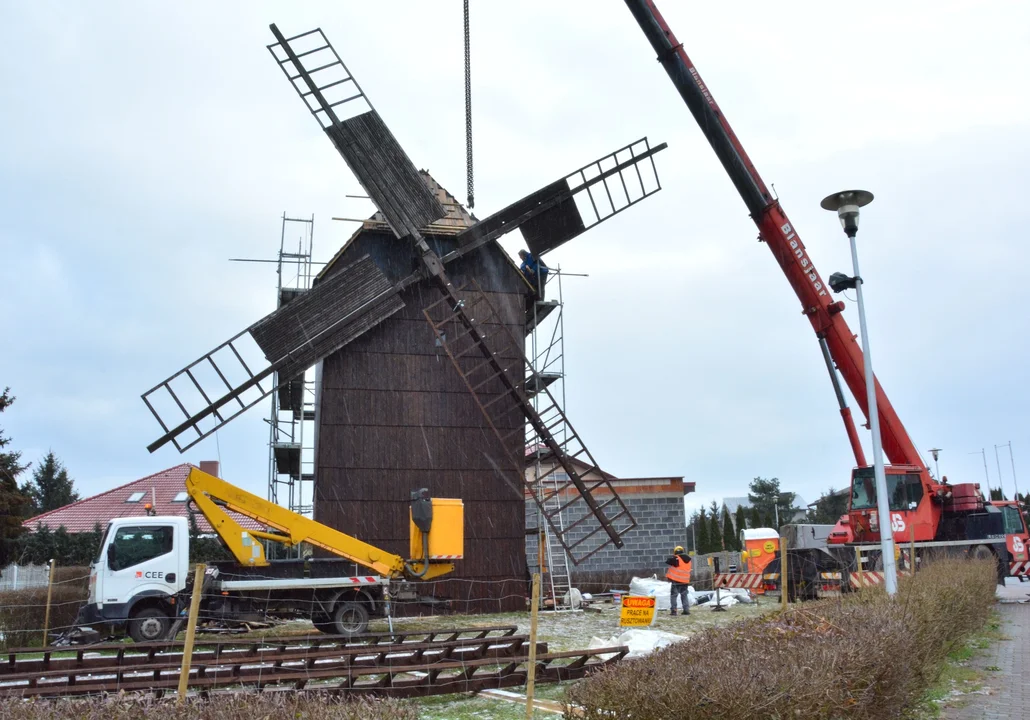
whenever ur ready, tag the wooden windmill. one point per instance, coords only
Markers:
(223, 383)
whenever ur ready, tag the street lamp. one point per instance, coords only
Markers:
(846, 204)
(936, 470)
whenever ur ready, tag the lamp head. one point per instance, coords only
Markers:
(846, 203)
(839, 282)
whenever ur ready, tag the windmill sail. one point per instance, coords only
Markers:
(584, 198)
(221, 384)
(370, 150)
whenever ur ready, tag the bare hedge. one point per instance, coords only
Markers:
(863, 657)
(278, 706)
(23, 612)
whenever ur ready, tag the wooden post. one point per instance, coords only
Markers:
(531, 672)
(858, 566)
(191, 631)
(49, 596)
(912, 549)
(541, 551)
(784, 592)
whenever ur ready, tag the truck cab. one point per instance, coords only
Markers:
(140, 569)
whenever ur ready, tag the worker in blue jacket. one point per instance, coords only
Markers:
(535, 272)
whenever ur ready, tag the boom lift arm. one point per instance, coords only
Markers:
(213, 496)
(776, 230)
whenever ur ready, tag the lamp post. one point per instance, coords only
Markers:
(846, 204)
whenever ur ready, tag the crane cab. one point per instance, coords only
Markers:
(911, 498)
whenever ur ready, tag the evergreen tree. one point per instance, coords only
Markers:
(769, 521)
(703, 544)
(741, 523)
(829, 507)
(714, 531)
(205, 549)
(765, 494)
(50, 487)
(12, 502)
(729, 537)
(756, 518)
(42, 545)
(998, 494)
(692, 531)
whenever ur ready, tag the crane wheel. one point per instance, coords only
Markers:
(981, 552)
(149, 625)
(349, 618)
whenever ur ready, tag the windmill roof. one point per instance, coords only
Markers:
(456, 219)
(128, 500)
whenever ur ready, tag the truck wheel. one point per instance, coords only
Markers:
(149, 625)
(981, 552)
(350, 618)
(324, 624)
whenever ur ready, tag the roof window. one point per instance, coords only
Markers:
(135, 497)
(181, 497)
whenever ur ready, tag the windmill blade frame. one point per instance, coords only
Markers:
(364, 141)
(336, 311)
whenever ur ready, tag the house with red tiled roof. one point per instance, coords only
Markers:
(164, 491)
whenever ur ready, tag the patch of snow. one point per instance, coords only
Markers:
(640, 642)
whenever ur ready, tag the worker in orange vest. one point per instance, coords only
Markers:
(679, 575)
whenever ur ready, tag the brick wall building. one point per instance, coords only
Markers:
(655, 502)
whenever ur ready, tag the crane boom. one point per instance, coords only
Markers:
(776, 230)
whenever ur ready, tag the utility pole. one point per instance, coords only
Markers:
(1011, 460)
(987, 477)
(998, 460)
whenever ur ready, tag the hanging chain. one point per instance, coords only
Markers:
(468, 112)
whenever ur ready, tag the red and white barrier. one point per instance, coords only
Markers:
(1019, 568)
(869, 578)
(751, 581)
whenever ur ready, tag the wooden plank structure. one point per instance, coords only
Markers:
(463, 660)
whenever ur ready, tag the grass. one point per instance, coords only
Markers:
(958, 681)
(281, 706)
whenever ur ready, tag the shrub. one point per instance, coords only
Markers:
(863, 657)
(299, 706)
(23, 612)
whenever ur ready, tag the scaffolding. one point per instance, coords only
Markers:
(545, 326)
(291, 446)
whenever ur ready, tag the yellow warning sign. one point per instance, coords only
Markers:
(637, 611)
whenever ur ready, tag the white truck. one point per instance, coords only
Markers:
(141, 580)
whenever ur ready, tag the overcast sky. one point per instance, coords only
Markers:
(144, 144)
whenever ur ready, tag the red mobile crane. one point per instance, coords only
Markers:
(941, 514)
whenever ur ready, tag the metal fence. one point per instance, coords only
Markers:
(20, 577)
